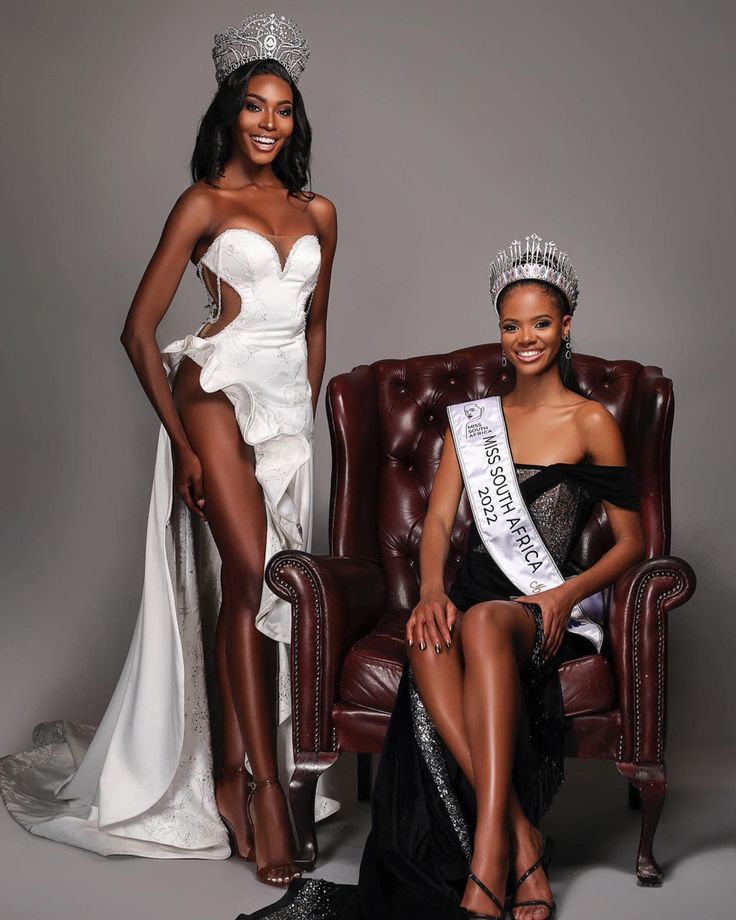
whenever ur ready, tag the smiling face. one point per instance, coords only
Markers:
(266, 120)
(532, 328)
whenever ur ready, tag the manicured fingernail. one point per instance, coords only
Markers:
(448, 644)
(410, 643)
(437, 647)
(422, 646)
(452, 629)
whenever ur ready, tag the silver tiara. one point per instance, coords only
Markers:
(262, 36)
(534, 263)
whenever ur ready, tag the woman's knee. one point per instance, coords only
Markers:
(428, 660)
(496, 619)
(241, 590)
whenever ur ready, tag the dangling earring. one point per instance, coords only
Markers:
(568, 347)
(504, 362)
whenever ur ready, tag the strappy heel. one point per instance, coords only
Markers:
(543, 862)
(241, 843)
(474, 915)
(286, 872)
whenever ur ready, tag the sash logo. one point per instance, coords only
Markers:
(474, 427)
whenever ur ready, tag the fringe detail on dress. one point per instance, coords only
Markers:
(542, 779)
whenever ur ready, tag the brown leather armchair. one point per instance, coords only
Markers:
(387, 423)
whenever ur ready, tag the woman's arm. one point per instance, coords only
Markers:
(434, 616)
(316, 331)
(603, 445)
(188, 222)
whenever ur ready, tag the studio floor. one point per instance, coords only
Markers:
(592, 873)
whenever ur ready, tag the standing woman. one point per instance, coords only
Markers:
(474, 752)
(232, 486)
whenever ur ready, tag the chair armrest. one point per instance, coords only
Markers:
(335, 600)
(637, 619)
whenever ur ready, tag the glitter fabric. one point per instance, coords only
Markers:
(431, 748)
(557, 512)
(316, 899)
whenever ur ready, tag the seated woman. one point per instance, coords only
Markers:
(474, 752)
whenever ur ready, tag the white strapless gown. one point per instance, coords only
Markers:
(142, 783)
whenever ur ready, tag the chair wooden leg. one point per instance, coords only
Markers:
(650, 781)
(302, 787)
(365, 777)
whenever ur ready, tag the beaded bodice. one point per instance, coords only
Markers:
(274, 296)
(560, 498)
(559, 513)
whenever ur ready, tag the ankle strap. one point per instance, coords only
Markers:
(269, 781)
(533, 868)
(487, 891)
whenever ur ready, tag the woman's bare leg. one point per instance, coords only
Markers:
(526, 845)
(439, 679)
(237, 519)
(231, 786)
(497, 640)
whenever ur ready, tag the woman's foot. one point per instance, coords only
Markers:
(231, 795)
(492, 869)
(271, 827)
(528, 846)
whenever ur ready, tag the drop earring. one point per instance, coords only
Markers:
(568, 347)
(504, 362)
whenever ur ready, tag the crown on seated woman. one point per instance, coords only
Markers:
(534, 263)
(262, 36)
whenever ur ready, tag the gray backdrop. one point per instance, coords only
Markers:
(442, 130)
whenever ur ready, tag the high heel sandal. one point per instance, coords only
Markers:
(474, 915)
(241, 843)
(286, 872)
(543, 862)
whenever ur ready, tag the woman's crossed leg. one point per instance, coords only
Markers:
(472, 694)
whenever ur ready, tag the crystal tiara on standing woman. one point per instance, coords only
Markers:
(262, 36)
(534, 263)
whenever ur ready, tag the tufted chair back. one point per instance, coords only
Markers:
(388, 421)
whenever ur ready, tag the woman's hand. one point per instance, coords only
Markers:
(556, 605)
(432, 621)
(188, 480)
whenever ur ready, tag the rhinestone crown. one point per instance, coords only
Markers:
(262, 36)
(534, 262)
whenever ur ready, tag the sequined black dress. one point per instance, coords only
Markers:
(416, 859)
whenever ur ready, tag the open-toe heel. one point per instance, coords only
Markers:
(474, 915)
(241, 841)
(283, 874)
(542, 863)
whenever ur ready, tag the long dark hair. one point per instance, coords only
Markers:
(567, 372)
(214, 144)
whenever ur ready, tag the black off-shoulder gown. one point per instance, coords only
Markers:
(417, 855)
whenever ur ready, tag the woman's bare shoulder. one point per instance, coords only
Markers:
(192, 212)
(324, 212)
(600, 433)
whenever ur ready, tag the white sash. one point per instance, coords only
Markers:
(501, 515)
